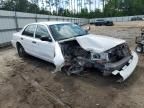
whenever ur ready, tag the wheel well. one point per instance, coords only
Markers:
(18, 44)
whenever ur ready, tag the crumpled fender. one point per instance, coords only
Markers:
(59, 58)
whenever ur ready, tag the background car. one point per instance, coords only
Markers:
(136, 18)
(101, 22)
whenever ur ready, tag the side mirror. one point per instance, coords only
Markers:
(87, 29)
(46, 38)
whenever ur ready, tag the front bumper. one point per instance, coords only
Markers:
(128, 70)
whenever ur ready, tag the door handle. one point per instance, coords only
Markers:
(34, 42)
(21, 38)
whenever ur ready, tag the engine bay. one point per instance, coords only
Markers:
(71, 50)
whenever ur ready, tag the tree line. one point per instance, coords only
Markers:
(76, 8)
(123, 7)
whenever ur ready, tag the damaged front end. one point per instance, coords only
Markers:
(118, 60)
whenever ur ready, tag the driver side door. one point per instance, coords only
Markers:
(44, 48)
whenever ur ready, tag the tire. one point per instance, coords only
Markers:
(75, 67)
(69, 70)
(96, 24)
(139, 48)
(109, 24)
(21, 51)
(65, 70)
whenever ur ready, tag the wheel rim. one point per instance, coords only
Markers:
(76, 68)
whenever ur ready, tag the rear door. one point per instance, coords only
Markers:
(45, 49)
(27, 38)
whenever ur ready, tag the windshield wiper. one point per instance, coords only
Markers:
(65, 38)
(72, 36)
(81, 35)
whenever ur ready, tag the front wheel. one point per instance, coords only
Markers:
(139, 48)
(21, 51)
(76, 67)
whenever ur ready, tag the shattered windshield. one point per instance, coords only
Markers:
(66, 31)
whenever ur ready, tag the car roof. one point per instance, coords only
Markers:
(51, 22)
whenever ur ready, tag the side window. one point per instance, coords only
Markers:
(29, 31)
(41, 31)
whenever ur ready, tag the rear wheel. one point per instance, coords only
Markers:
(21, 51)
(139, 48)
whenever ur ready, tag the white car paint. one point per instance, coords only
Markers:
(51, 51)
(98, 43)
(127, 70)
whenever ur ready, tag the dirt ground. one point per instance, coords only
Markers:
(90, 90)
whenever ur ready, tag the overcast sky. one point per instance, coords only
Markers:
(73, 4)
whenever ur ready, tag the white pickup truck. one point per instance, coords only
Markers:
(72, 49)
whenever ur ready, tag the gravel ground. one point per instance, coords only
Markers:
(90, 90)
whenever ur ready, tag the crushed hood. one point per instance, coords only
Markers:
(98, 43)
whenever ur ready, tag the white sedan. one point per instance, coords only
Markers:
(72, 49)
